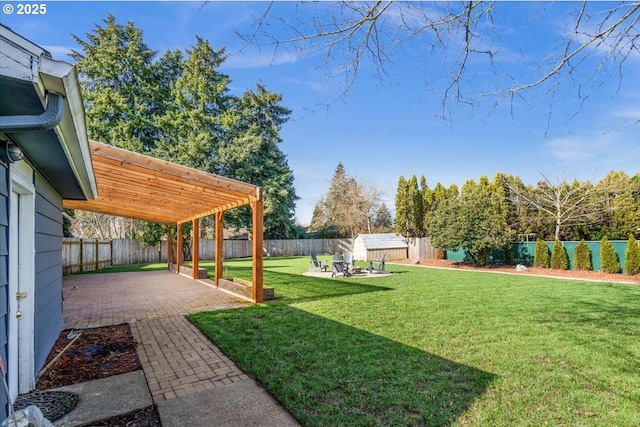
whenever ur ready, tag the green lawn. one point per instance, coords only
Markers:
(438, 348)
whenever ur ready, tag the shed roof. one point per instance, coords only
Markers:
(381, 241)
(137, 186)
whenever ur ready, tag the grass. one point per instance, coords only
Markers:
(438, 348)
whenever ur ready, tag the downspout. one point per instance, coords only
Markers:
(49, 119)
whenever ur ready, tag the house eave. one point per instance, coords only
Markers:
(61, 154)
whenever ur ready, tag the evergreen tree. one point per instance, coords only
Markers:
(427, 202)
(439, 195)
(319, 216)
(471, 221)
(402, 206)
(336, 205)
(609, 262)
(623, 204)
(541, 255)
(192, 124)
(350, 205)
(383, 220)
(252, 155)
(118, 86)
(632, 256)
(582, 256)
(179, 109)
(415, 211)
(559, 258)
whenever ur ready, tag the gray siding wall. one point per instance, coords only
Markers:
(4, 273)
(48, 320)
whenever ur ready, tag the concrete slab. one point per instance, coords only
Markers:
(239, 404)
(362, 275)
(107, 397)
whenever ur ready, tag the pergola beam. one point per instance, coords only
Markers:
(219, 216)
(179, 249)
(153, 167)
(103, 207)
(258, 241)
(195, 249)
(169, 248)
(223, 208)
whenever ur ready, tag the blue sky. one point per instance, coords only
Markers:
(384, 128)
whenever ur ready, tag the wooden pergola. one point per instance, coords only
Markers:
(136, 186)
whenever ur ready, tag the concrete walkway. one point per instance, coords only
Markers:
(190, 380)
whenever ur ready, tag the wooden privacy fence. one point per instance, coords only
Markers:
(420, 248)
(86, 254)
(91, 254)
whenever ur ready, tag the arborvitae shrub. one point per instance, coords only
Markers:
(509, 255)
(559, 259)
(609, 262)
(541, 256)
(632, 256)
(582, 256)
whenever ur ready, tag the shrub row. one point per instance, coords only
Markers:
(609, 261)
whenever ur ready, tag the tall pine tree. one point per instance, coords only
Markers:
(179, 108)
(118, 85)
(251, 154)
(402, 205)
(192, 124)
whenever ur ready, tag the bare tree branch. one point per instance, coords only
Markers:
(600, 36)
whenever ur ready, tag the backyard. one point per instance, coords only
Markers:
(438, 347)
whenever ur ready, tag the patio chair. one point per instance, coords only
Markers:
(315, 265)
(380, 268)
(350, 263)
(348, 259)
(340, 267)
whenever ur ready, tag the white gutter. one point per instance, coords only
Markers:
(60, 77)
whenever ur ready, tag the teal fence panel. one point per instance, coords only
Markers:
(594, 247)
(524, 252)
(458, 256)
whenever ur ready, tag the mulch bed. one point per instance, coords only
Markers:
(96, 353)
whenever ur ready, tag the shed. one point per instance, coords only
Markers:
(371, 247)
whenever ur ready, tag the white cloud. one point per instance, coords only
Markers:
(573, 148)
(58, 52)
(628, 113)
(242, 60)
(596, 153)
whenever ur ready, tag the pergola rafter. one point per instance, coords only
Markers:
(136, 186)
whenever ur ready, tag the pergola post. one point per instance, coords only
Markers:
(219, 244)
(169, 248)
(258, 238)
(195, 249)
(179, 248)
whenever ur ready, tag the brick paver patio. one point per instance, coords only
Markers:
(176, 358)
